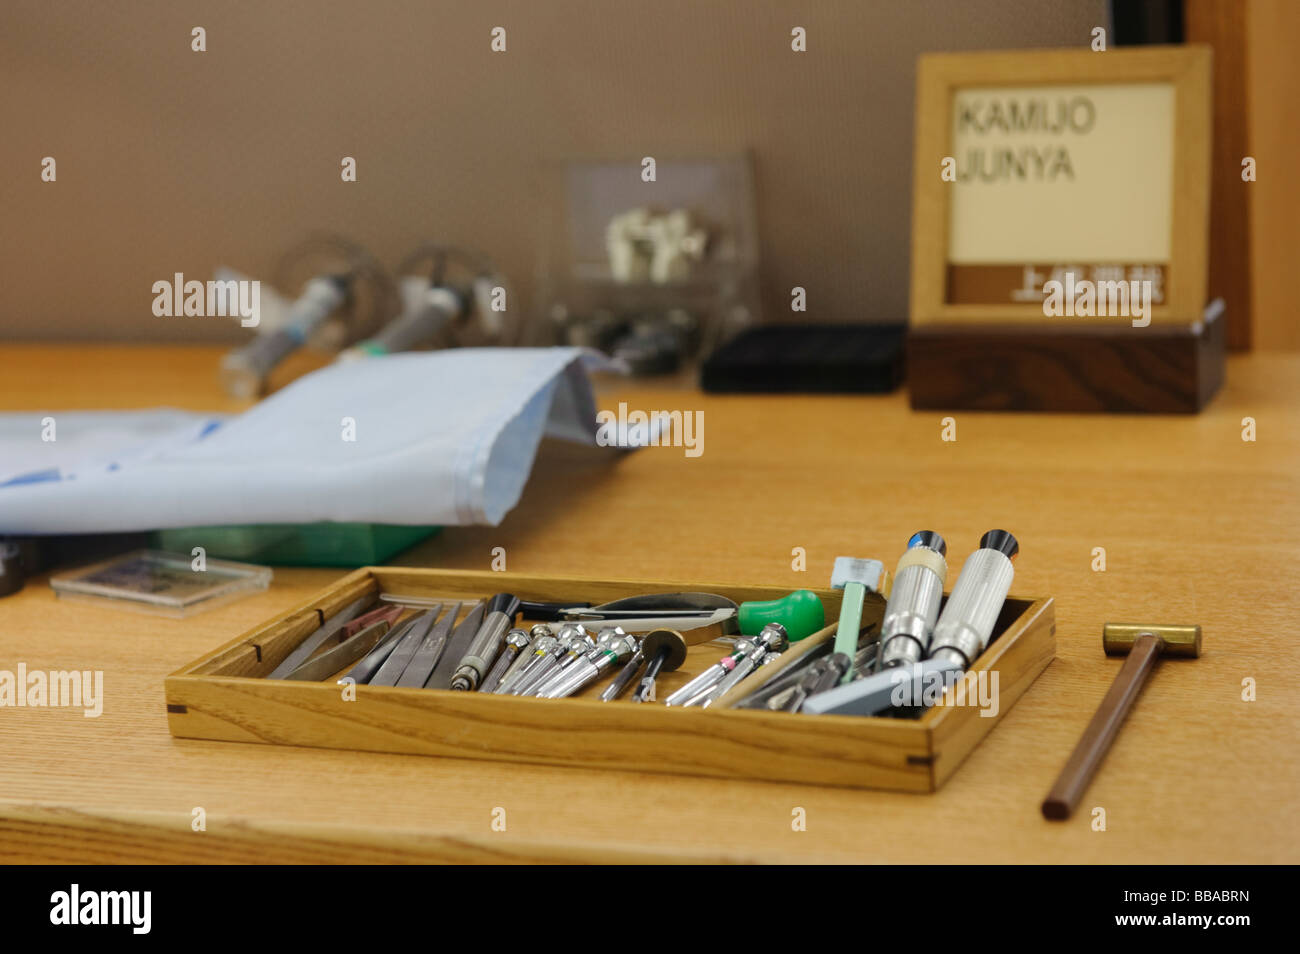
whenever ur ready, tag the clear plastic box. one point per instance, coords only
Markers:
(600, 283)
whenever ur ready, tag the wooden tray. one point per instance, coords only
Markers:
(224, 696)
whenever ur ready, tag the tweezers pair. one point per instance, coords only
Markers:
(406, 655)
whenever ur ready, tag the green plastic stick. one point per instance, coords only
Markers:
(846, 637)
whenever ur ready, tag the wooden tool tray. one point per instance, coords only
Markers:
(224, 696)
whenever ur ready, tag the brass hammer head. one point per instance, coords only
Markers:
(1118, 638)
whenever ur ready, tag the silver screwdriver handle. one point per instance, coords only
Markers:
(697, 685)
(743, 669)
(543, 648)
(968, 618)
(482, 652)
(573, 679)
(618, 649)
(516, 642)
(531, 678)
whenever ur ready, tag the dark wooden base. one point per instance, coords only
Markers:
(1155, 370)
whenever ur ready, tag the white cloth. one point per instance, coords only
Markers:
(440, 438)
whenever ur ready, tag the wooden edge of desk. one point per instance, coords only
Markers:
(59, 834)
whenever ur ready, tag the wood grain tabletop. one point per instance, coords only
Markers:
(1197, 526)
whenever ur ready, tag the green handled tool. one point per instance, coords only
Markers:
(801, 613)
(854, 577)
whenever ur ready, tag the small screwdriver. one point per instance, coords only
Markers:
(537, 632)
(771, 640)
(516, 642)
(543, 647)
(577, 647)
(528, 683)
(701, 684)
(625, 675)
(617, 648)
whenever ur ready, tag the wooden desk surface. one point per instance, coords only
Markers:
(1198, 527)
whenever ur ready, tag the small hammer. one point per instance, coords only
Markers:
(1144, 644)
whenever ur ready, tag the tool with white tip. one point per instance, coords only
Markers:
(855, 577)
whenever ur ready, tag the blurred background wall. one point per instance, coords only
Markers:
(170, 160)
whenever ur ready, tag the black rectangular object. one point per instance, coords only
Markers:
(792, 359)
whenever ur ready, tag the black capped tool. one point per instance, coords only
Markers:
(973, 607)
(482, 651)
(665, 649)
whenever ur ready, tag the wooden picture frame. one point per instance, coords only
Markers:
(940, 76)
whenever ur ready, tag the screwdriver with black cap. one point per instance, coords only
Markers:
(486, 645)
(972, 610)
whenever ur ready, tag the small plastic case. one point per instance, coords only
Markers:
(164, 584)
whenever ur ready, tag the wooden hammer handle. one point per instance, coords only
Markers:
(1096, 739)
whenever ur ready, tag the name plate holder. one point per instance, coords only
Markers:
(1061, 232)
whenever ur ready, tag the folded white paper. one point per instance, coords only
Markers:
(428, 438)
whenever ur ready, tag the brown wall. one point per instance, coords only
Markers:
(1274, 79)
(170, 160)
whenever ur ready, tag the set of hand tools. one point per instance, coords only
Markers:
(572, 646)
(770, 662)
(921, 636)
